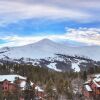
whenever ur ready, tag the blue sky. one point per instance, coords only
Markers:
(27, 21)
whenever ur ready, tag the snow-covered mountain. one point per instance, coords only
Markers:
(47, 48)
(47, 51)
(41, 49)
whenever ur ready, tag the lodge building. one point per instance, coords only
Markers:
(91, 88)
(16, 83)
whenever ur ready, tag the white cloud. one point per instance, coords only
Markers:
(18, 40)
(15, 40)
(12, 11)
(90, 36)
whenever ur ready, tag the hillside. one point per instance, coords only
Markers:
(46, 53)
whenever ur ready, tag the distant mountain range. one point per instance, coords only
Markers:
(59, 57)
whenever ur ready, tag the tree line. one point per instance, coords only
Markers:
(56, 84)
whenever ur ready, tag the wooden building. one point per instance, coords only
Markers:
(8, 87)
(91, 88)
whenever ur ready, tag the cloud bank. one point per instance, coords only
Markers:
(12, 11)
(90, 36)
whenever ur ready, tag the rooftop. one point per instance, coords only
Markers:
(10, 78)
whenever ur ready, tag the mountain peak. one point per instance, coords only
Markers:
(45, 40)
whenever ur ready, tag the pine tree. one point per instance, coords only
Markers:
(1, 94)
(84, 75)
(49, 89)
(27, 89)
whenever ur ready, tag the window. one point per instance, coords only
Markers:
(5, 88)
(2, 88)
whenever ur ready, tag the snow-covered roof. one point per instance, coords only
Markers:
(10, 77)
(88, 88)
(96, 83)
(97, 75)
(23, 83)
(39, 89)
(96, 80)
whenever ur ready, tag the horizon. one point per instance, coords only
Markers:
(73, 22)
(72, 45)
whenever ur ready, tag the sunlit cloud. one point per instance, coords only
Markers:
(89, 36)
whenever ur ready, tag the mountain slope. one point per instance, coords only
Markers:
(47, 53)
(41, 49)
(47, 48)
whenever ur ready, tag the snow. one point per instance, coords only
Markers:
(88, 88)
(47, 48)
(96, 83)
(39, 89)
(53, 66)
(58, 58)
(96, 80)
(75, 67)
(97, 76)
(10, 77)
(23, 83)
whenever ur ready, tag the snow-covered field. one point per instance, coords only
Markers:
(75, 67)
(53, 66)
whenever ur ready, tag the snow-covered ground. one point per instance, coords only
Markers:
(53, 66)
(47, 48)
(38, 88)
(75, 67)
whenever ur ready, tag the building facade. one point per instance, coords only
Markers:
(91, 88)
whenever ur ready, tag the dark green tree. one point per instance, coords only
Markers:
(49, 90)
(84, 75)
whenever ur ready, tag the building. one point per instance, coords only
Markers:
(91, 88)
(7, 87)
(17, 84)
(7, 83)
(39, 92)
